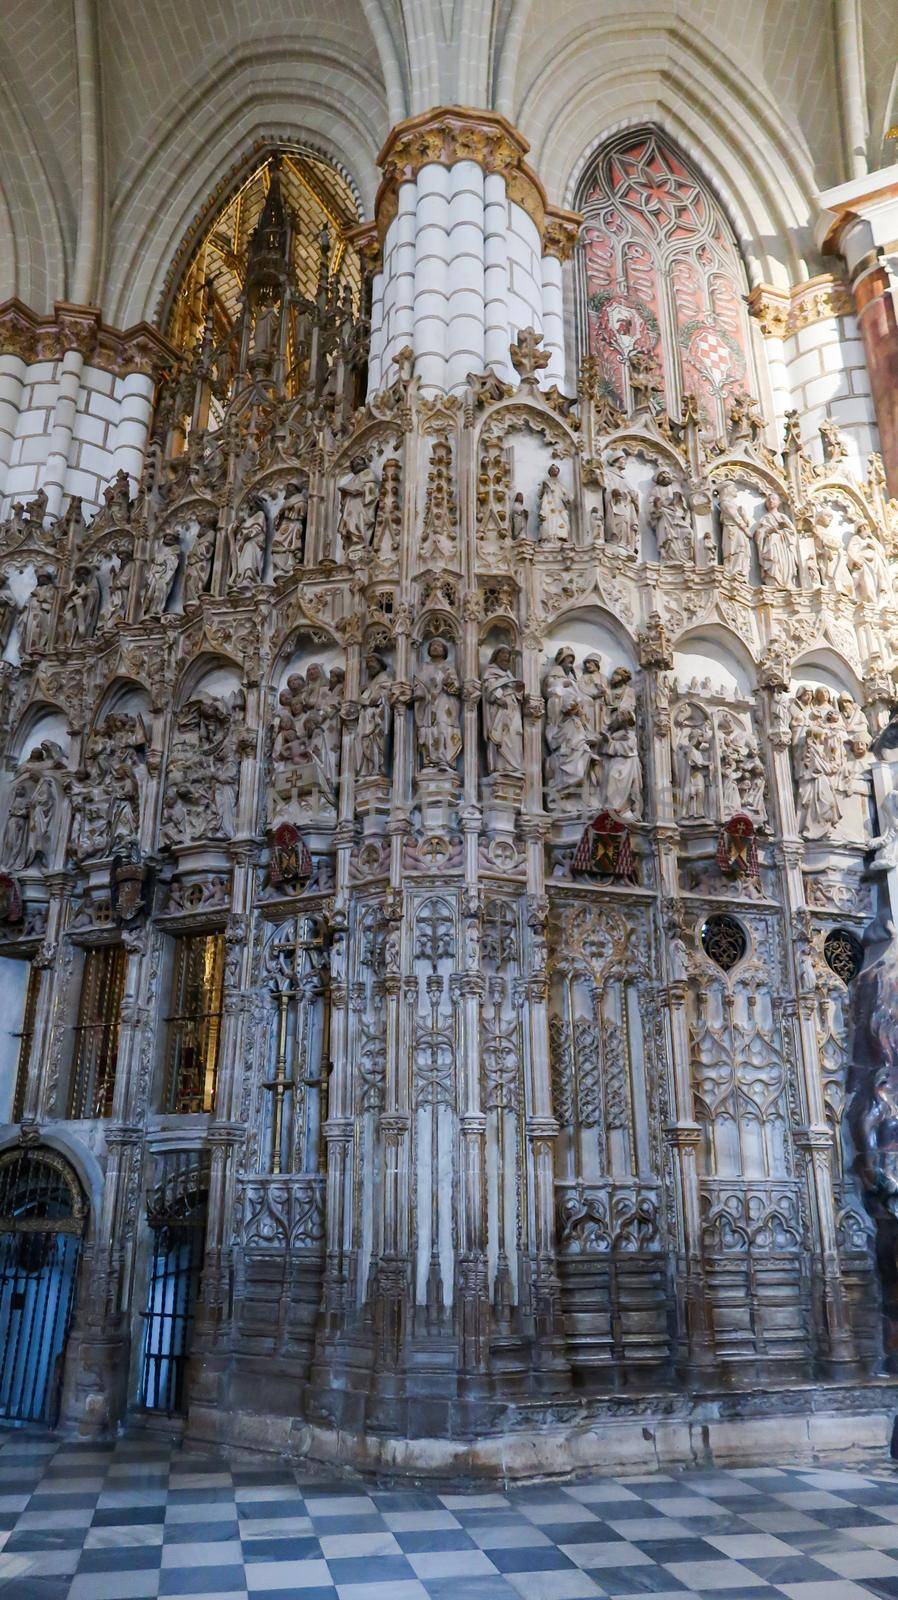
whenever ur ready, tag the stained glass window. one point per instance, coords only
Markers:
(662, 276)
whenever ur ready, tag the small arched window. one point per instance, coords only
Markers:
(661, 274)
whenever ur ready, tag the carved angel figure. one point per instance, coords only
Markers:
(503, 726)
(777, 545)
(436, 698)
(554, 508)
(735, 530)
(671, 519)
(358, 506)
(374, 719)
(621, 504)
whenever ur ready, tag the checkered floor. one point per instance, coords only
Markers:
(142, 1517)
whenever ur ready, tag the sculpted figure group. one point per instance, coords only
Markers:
(718, 766)
(830, 740)
(592, 750)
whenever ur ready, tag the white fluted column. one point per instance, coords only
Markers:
(495, 277)
(68, 390)
(376, 346)
(431, 326)
(12, 378)
(136, 410)
(466, 335)
(553, 319)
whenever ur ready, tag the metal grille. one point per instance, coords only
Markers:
(195, 1024)
(844, 953)
(723, 939)
(96, 1033)
(25, 1038)
(42, 1218)
(177, 1214)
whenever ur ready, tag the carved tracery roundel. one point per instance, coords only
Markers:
(844, 953)
(723, 939)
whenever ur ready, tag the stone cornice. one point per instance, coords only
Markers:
(449, 134)
(46, 338)
(781, 312)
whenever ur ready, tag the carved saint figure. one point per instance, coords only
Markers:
(694, 761)
(818, 774)
(28, 840)
(358, 506)
(623, 777)
(520, 517)
(621, 505)
(595, 691)
(288, 543)
(869, 567)
(570, 753)
(833, 559)
(670, 517)
(436, 697)
(82, 607)
(503, 726)
(777, 545)
(198, 566)
(248, 553)
(118, 586)
(735, 530)
(160, 577)
(374, 719)
(37, 615)
(554, 508)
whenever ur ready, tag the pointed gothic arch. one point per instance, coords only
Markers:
(660, 274)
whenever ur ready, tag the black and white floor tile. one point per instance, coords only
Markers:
(143, 1518)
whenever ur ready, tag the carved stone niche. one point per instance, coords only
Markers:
(33, 804)
(829, 738)
(199, 804)
(437, 716)
(108, 791)
(305, 734)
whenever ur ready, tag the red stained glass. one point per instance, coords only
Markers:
(662, 275)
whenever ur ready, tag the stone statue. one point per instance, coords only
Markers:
(694, 766)
(198, 566)
(248, 551)
(108, 792)
(623, 775)
(777, 544)
(358, 506)
(118, 587)
(374, 719)
(571, 754)
(835, 571)
(671, 519)
(37, 616)
(621, 505)
(160, 577)
(869, 568)
(81, 608)
(520, 518)
(735, 531)
(595, 692)
(857, 730)
(28, 840)
(289, 540)
(818, 775)
(200, 800)
(436, 695)
(554, 509)
(503, 726)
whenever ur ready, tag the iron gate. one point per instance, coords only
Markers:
(42, 1218)
(177, 1218)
